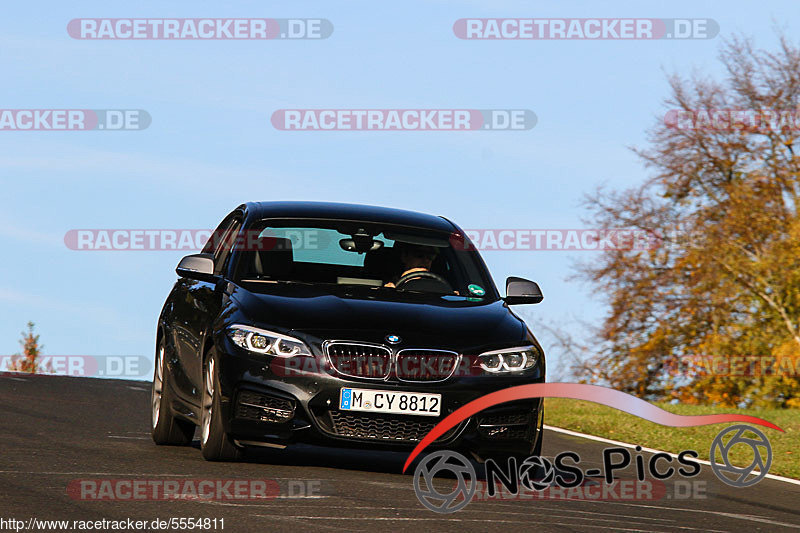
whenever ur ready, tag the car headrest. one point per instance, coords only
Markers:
(274, 256)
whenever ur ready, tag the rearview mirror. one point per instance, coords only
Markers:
(522, 291)
(360, 244)
(197, 266)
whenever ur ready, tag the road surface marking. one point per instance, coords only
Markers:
(652, 450)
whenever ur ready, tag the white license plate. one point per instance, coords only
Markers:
(383, 401)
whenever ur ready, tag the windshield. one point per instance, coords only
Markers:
(374, 256)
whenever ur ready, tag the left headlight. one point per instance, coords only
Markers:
(267, 342)
(509, 361)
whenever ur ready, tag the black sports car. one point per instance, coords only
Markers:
(341, 325)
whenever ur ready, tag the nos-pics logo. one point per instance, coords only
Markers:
(538, 473)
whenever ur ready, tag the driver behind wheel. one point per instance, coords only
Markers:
(413, 258)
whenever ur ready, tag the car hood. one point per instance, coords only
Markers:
(443, 322)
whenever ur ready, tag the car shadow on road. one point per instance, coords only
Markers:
(386, 462)
(389, 462)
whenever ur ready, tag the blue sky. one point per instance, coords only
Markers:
(211, 146)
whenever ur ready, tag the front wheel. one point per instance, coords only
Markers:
(215, 444)
(164, 427)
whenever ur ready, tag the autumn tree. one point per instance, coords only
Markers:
(31, 350)
(723, 276)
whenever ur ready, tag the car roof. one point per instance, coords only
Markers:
(342, 211)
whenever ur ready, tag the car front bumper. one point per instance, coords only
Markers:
(262, 407)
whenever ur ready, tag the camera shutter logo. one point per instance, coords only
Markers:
(532, 466)
(445, 461)
(740, 474)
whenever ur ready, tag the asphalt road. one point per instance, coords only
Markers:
(57, 430)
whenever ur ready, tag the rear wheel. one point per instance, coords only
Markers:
(165, 428)
(215, 444)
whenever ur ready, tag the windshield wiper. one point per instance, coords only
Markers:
(281, 281)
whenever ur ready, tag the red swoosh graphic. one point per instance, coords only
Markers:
(579, 391)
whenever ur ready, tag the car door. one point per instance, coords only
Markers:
(199, 302)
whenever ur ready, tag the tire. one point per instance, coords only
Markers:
(215, 444)
(165, 428)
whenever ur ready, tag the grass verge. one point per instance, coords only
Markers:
(602, 421)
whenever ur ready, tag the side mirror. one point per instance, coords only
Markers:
(522, 291)
(197, 266)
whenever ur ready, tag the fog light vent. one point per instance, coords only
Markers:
(254, 406)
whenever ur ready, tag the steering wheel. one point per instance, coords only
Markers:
(425, 279)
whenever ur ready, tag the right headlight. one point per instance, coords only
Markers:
(510, 360)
